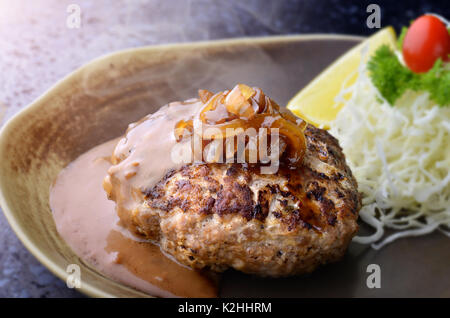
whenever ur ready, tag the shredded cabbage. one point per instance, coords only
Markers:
(400, 156)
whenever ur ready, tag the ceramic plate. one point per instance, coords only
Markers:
(96, 103)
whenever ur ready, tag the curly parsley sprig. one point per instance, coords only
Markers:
(393, 79)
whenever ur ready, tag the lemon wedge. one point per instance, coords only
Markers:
(315, 103)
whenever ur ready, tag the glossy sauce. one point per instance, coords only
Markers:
(143, 156)
(87, 221)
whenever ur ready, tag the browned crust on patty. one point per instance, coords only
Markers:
(218, 216)
(308, 198)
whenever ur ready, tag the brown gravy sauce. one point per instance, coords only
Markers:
(144, 155)
(88, 222)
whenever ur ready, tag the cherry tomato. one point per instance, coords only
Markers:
(427, 40)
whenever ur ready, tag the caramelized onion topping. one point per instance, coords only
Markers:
(246, 107)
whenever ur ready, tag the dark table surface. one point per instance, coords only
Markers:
(37, 48)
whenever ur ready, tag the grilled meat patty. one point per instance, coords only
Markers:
(218, 216)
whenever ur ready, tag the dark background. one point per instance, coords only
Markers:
(37, 49)
(337, 16)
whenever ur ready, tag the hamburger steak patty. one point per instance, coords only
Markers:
(219, 216)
